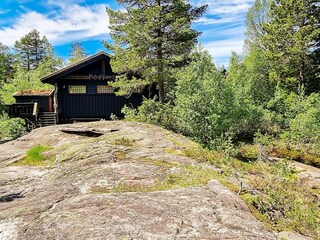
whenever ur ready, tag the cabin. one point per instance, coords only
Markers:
(81, 92)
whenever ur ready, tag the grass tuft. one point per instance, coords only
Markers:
(124, 141)
(35, 157)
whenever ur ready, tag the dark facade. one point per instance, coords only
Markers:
(44, 99)
(82, 91)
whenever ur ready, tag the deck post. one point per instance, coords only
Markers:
(55, 101)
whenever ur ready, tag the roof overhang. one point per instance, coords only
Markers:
(51, 78)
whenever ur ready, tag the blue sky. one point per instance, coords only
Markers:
(86, 21)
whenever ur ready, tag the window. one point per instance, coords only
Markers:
(104, 89)
(77, 89)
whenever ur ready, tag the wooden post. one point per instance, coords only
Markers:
(50, 104)
(55, 101)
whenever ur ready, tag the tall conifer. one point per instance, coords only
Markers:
(150, 38)
(32, 50)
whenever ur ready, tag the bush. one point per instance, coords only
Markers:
(305, 126)
(286, 202)
(11, 127)
(205, 103)
(153, 112)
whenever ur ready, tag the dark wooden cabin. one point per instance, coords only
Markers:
(81, 92)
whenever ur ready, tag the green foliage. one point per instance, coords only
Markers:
(248, 152)
(31, 50)
(298, 116)
(206, 106)
(281, 200)
(249, 79)
(290, 39)
(77, 53)
(257, 15)
(153, 112)
(305, 121)
(11, 127)
(286, 203)
(34, 59)
(150, 39)
(35, 156)
(26, 80)
(6, 64)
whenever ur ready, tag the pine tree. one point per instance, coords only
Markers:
(257, 16)
(151, 38)
(291, 38)
(6, 64)
(31, 50)
(77, 53)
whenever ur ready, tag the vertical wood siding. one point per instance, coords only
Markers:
(93, 105)
(43, 101)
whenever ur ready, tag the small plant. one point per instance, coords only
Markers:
(264, 141)
(224, 145)
(113, 117)
(35, 157)
(248, 152)
(124, 141)
(284, 201)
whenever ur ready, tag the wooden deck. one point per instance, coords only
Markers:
(30, 112)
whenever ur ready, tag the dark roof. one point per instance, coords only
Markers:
(34, 93)
(73, 67)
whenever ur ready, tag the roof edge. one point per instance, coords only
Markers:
(70, 66)
(16, 94)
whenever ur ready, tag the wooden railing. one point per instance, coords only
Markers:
(22, 109)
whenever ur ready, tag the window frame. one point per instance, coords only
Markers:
(107, 86)
(74, 93)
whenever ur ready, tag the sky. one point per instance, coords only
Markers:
(65, 22)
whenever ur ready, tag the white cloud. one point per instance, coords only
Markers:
(223, 20)
(208, 21)
(224, 7)
(221, 50)
(72, 23)
(225, 11)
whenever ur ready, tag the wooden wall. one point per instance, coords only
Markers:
(73, 106)
(43, 102)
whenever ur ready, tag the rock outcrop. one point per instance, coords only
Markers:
(127, 182)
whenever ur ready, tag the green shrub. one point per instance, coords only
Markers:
(286, 202)
(248, 152)
(305, 126)
(11, 127)
(153, 112)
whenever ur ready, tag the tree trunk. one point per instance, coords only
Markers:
(160, 79)
(301, 87)
(161, 91)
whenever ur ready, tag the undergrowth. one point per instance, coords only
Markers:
(273, 191)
